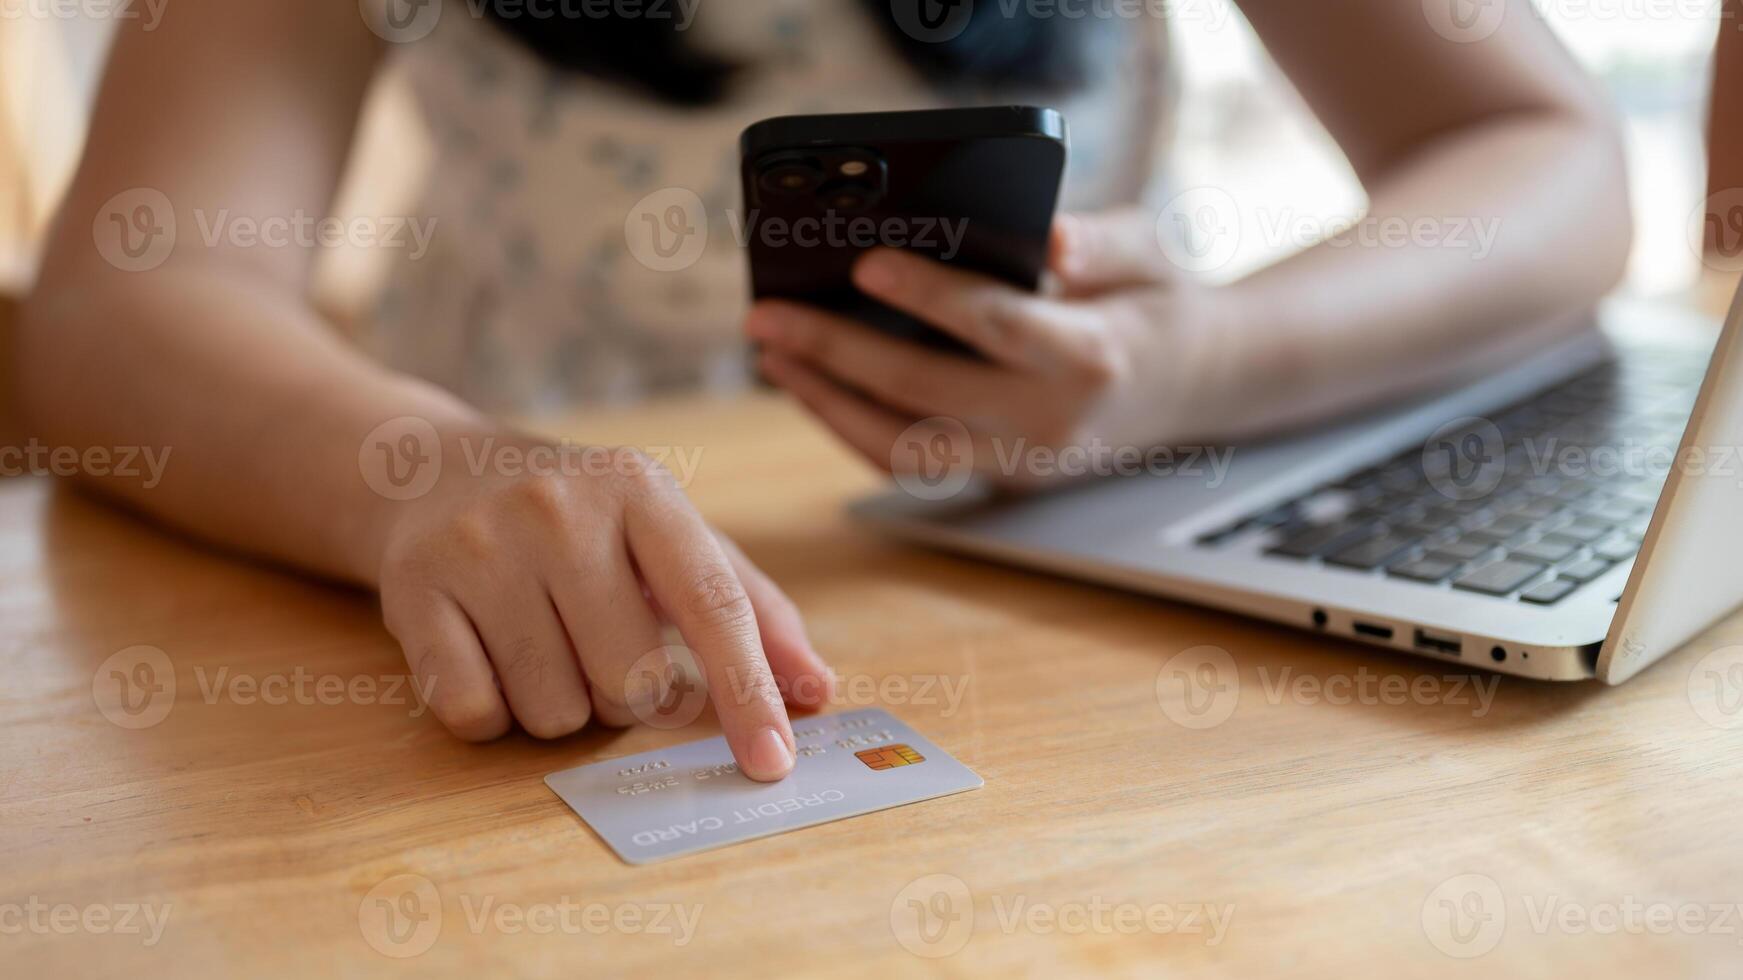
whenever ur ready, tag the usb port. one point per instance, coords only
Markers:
(1374, 630)
(1439, 642)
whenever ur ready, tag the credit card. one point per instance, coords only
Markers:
(691, 797)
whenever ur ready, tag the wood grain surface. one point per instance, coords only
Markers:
(1328, 825)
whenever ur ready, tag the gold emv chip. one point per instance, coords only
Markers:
(889, 757)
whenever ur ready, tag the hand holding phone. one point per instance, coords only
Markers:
(973, 189)
(1121, 353)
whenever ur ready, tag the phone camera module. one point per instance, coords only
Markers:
(848, 195)
(790, 175)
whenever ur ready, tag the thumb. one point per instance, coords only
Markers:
(1093, 253)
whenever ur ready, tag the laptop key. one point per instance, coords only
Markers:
(1616, 549)
(1550, 550)
(1424, 569)
(1552, 591)
(1585, 530)
(1539, 509)
(1617, 511)
(1503, 577)
(1584, 571)
(1463, 550)
(1427, 530)
(1311, 539)
(1506, 526)
(1373, 552)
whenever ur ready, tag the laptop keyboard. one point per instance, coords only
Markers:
(1529, 504)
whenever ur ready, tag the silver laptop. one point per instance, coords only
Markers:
(1576, 515)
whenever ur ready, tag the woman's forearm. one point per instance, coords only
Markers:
(1491, 238)
(256, 412)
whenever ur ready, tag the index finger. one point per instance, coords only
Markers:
(1008, 325)
(694, 582)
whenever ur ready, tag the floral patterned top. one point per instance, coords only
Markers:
(529, 296)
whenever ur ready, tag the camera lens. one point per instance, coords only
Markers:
(790, 175)
(848, 195)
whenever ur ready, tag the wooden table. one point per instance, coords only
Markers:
(1319, 825)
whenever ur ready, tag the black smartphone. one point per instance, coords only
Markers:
(969, 187)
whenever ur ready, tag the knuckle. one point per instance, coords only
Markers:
(547, 498)
(641, 476)
(473, 534)
(718, 596)
(521, 660)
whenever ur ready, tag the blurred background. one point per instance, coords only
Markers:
(1669, 65)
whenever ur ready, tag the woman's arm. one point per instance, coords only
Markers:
(224, 111)
(516, 595)
(1498, 214)
(1493, 131)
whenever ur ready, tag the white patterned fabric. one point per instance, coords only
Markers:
(528, 297)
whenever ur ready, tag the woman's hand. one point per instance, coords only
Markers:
(1104, 360)
(522, 598)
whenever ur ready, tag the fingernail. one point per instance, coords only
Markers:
(769, 756)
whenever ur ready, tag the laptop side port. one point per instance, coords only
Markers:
(1439, 642)
(1374, 630)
